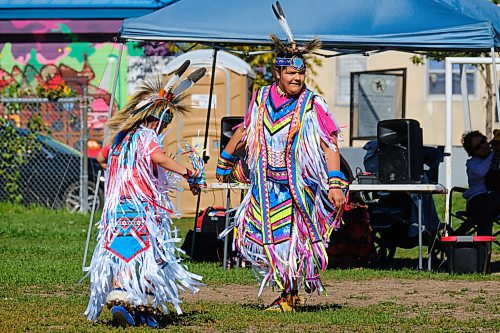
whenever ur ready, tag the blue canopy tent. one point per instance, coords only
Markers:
(410, 25)
(358, 24)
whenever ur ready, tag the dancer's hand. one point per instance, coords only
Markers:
(196, 183)
(194, 188)
(336, 197)
(222, 178)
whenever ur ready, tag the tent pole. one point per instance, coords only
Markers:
(205, 141)
(465, 97)
(495, 80)
(97, 182)
(448, 134)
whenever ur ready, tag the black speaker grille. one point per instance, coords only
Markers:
(395, 162)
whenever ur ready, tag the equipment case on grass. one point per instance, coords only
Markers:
(468, 254)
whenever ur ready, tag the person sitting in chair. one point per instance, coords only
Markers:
(483, 202)
(492, 178)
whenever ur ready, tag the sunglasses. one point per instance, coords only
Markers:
(480, 144)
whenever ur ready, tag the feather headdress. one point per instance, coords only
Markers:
(154, 98)
(290, 54)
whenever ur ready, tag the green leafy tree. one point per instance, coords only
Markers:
(17, 147)
(15, 151)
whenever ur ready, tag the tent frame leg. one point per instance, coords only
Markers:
(495, 80)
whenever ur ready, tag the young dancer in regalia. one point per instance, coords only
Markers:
(297, 191)
(136, 270)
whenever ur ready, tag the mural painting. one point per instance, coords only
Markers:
(63, 69)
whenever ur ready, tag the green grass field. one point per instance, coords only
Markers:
(41, 255)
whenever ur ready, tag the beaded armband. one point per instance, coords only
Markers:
(337, 180)
(225, 163)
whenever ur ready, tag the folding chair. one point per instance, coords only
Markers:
(463, 216)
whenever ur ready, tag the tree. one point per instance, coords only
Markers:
(16, 149)
(17, 146)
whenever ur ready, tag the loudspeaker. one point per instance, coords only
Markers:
(399, 151)
(227, 125)
(208, 247)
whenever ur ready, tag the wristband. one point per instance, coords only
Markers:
(337, 180)
(336, 174)
(193, 178)
(231, 158)
(225, 163)
(334, 183)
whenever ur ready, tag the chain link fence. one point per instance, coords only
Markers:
(42, 158)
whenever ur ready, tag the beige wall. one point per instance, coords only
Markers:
(430, 112)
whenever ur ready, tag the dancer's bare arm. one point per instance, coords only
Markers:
(172, 165)
(235, 144)
(168, 163)
(335, 196)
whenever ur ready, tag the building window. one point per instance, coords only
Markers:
(436, 79)
(345, 65)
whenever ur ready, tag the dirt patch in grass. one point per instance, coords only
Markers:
(460, 299)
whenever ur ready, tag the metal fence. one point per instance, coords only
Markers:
(51, 168)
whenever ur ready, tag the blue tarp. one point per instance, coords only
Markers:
(340, 24)
(77, 9)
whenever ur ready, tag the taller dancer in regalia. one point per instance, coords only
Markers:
(297, 191)
(136, 269)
